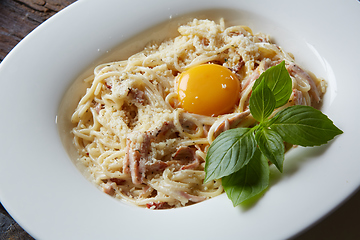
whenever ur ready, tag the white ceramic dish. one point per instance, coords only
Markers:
(43, 190)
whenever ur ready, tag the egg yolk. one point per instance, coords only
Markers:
(208, 89)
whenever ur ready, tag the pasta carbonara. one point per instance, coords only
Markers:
(134, 137)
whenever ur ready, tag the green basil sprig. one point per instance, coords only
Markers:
(240, 156)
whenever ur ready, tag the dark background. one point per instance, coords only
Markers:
(20, 17)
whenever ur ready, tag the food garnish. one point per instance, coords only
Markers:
(241, 156)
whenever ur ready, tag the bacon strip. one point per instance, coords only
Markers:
(157, 205)
(136, 94)
(297, 72)
(109, 188)
(231, 122)
(192, 198)
(184, 154)
(137, 161)
(252, 78)
(298, 97)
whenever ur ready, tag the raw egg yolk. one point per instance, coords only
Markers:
(208, 89)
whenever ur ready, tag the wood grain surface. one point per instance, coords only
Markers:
(19, 17)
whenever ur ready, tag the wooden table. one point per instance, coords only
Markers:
(20, 17)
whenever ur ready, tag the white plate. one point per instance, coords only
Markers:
(43, 190)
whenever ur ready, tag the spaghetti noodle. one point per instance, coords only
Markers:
(136, 140)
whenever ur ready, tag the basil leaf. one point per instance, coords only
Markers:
(249, 181)
(229, 152)
(272, 146)
(279, 81)
(262, 102)
(304, 126)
